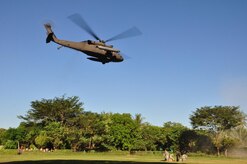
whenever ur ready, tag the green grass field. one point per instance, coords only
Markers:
(66, 157)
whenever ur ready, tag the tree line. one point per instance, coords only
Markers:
(62, 123)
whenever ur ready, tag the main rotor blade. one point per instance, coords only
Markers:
(79, 21)
(134, 31)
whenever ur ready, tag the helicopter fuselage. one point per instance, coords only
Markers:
(97, 50)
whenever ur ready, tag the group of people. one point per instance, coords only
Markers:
(169, 157)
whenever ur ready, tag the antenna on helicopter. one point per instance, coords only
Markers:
(59, 47)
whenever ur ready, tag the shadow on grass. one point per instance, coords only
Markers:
(83, 162)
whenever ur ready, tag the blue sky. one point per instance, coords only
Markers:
(191, 54)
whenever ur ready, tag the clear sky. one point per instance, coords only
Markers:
(192, 53)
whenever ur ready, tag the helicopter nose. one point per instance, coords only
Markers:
(118, 58)
(121, 58)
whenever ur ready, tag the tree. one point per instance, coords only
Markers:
(55, 133)
(153, 137)
(122, 131)
(42, 140)
(10, 144)
(51, 122)
(93, 128)
(187, 141)
(2, 131)
(227, 142)
(239, 134)
(15, 134)
(204, 143)
(138, 142)
(63, 110)
(173, 131)
(217, 120)
(74, 137)
(32, 131)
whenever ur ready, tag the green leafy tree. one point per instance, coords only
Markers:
(2, 138)
(138, 142)
(55, 133)
(33, 130)
(63, 110)
(187, 141)
(173, 131)
(195, 141)
(153, 137)
(74, 138)
(239, 134)
(93, 128)
(42, 140)
(122, 131)
(51, 122)
(14, 135)
(227, 142)
(27, 133)
(106, 137)
(10, 144)
(217, 120)
(204, 142)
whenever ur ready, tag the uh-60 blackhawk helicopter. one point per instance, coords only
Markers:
(97, 50)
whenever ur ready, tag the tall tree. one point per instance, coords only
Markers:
(2, 131)
(240, 135)
(51, 122)
(93, 127)
(62, 110)
(216, 120)
(123, 131)
(173, 131)
(153, 137)
(195, 141)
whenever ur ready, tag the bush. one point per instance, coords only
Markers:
(10, 144)
(33, 147)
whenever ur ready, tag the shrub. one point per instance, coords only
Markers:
(10, 144)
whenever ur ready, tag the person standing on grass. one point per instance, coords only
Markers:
(166, 154)
(178, 156)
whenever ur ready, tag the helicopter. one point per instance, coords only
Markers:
(97, 49)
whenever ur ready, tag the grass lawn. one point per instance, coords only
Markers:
(66, 157)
